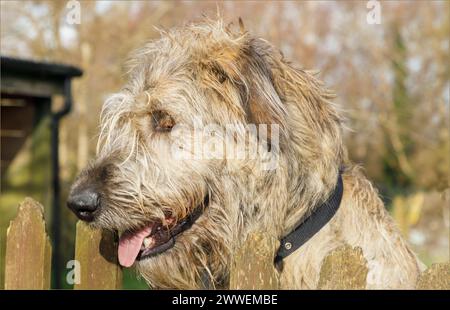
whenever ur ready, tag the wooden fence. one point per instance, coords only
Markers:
(28, 260)
(28, 253)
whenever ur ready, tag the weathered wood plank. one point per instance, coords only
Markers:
(344, 268)
(48, 265)
(2, 257)
(28, 250)
(253, 265)
(25, 85)
(437, 277)
(96, 251)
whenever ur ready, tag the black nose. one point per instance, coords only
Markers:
(84, 203)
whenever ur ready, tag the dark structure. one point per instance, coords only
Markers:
(27, 90)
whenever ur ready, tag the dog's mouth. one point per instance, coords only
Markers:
(155, 238)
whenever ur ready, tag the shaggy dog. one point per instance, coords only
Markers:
(182, 212)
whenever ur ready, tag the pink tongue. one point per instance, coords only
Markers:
(130, 244)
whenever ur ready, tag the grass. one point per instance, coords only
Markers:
(132, 281)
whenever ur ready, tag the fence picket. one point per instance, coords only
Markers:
(344, 268)
(2, 257)
(253, 266)
(96, 250)
(437, 277)
(28, 250)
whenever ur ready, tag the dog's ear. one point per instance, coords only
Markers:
(264, 105)
(235, 72)
(241, 66)
(272, 91)
(295, 99)
(241, 25)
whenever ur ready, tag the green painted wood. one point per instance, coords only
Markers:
(29, 172)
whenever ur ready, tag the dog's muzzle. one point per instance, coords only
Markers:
(155, 238)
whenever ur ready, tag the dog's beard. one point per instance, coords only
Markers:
(156, 237)
(198, 259)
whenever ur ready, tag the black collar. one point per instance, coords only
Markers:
(312, 224)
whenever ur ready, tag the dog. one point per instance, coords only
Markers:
(182, 215)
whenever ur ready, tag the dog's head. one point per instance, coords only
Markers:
(210, 123)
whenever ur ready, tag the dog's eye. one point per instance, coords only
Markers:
(161, 121)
